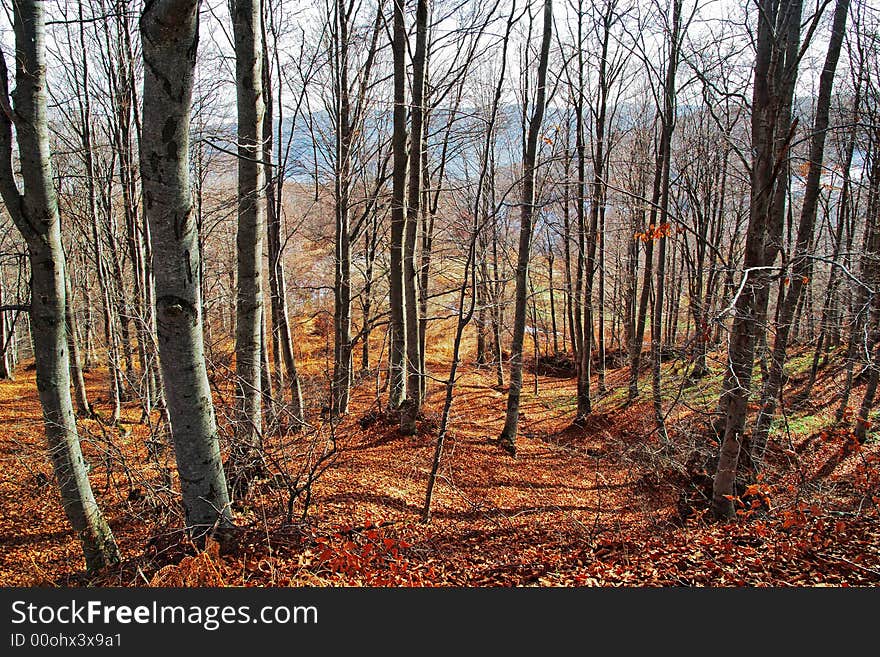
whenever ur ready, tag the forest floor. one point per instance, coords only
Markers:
(604, 504)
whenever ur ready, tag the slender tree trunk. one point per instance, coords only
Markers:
(599, 189)
(121, 303)
(536, 349)
(600, 370)
(583, 305)
(7, 337)
(169, 38)
(246, 21)
(775, 75)
(661, 194)
(511, 422)
(266, 388)
(825, 323)
(481, 323)
(641, 319)
(800, 262)
(281, 337)
(870, 335)
(629, 303)
(864, 304)
(429, 216)
(83, 407)
(550, 261)
(110, 336)
(568, 310)
(371, 239)
(122, 143)
(469, 278)
(413, 402)
(342, 191)
(497, 314)
(398, 352)
(862, 422)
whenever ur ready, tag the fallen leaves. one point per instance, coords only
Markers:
(557, 516)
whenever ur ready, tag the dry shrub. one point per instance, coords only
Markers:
(202, 569)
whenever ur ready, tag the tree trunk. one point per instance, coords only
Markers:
(775, 75)
(169, 37)
(469, 277)
(7, 337)
(511, 422)
(661, 194)
(281, 338)
(800, 262)
(246, 20)
(85, 134)
(550, 260)
(342, 190)
(35, 213)
(640, 319)
(862, 422)
(599, 190)
(413, 402)
(480, 322)
(583, 291)
(397, 354)
(79, 385)
(270, 412)
(824, 339)
(870, 335)
(371, 239)
(124, 109)
(497, 315)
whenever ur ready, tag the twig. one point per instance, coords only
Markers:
(851, 563)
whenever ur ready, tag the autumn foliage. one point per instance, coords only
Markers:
(600, 504)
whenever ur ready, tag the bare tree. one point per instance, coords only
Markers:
(275, 163)
(413, 400)
(660, 208)
(776, 65)
(35, 213)
(469, 276)
(349, 111)
(247, 34)
(507, 438)
(169, 38)
(397, 298)
(800, 262)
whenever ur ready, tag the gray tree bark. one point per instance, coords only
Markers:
(246, 21)
(342, 193)
(7, 336)
(778, 41)
(413, 401)
(397, 355)
(800, 262)
(169, 37)
(869, 336)
(583, 289)
(511, 422)
(661, 194)
(85, 134)
(281, 337)
(349, 110)
(76, 374)
(35, 213)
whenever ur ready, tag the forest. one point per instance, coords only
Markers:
(471, 293)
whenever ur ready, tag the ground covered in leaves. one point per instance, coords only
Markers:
(604, 504)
